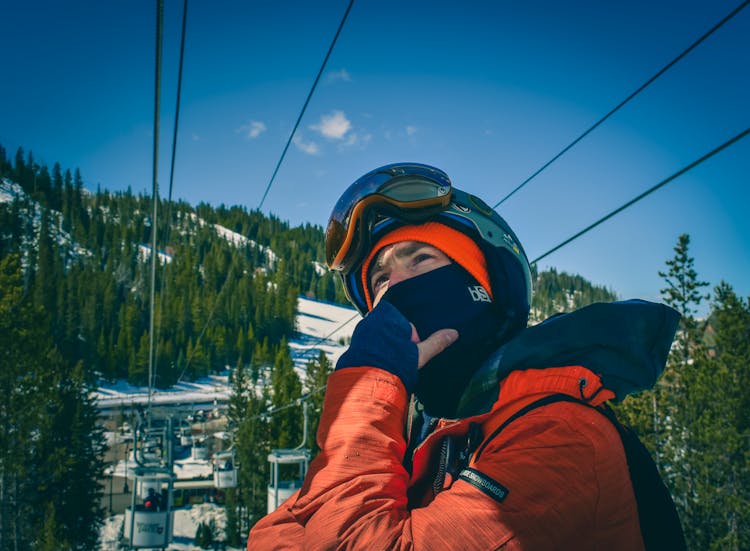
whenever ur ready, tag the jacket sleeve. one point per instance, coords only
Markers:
(278, 530)
(355, 495)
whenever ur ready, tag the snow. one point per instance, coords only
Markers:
(186, 522)
(207, 390)
(144, 253)
(238, 239)
(320, 326)
(10, 191)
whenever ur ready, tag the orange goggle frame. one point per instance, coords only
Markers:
(409, 192)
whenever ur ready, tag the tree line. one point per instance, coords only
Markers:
(219, 299)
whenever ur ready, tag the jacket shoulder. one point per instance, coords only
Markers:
(565, 471)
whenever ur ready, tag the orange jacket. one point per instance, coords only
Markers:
(563, 467)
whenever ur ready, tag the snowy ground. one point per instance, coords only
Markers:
(320, 326)
(186, 522)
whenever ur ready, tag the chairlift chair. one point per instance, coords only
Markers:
(199, 451)
(280, 490)
(225, 469)
(149, 519)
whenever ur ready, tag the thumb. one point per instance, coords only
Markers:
(435, 344)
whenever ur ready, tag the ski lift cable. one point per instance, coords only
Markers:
(625, 101)
(230, 271)
(179, 96)
(335, 330)
(168, 216)
(661, 184)
(155, 196)
(618, 210)
(307, 101)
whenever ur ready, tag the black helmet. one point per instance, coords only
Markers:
(410, 193)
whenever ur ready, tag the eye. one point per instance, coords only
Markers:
(378, 280)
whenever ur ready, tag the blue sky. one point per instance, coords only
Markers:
(488, 91)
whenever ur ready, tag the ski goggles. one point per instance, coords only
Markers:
(409, 192)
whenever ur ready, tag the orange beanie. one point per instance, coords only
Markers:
(458, 246)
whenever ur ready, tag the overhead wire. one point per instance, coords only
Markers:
(179, 97)
(524, 183)
(612, 111)
(168, 217)
(590, 227)
(155, 198)
(230, 271)
(649, 191)
(307, 101)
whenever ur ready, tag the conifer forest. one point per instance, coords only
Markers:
(75, 295)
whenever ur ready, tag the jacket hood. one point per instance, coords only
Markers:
(625, 343)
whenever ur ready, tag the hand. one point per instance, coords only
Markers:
(432, 345)
(386, 339)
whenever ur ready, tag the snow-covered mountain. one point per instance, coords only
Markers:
(320, 326)
(32, 211)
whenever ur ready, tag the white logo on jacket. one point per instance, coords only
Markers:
(478, 294)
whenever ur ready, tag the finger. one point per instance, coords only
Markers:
(379, 295)
(435, 344)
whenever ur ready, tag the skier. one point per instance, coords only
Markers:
(448, 424)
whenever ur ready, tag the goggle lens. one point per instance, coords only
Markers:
(401, 191)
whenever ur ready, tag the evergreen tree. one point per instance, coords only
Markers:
(671, 401)
(49, 446)
(715, 416)
(286, 428)
(683, 293)
(316, 379)
(252, 443)
(46, 274)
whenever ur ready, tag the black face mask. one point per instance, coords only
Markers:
(448, 297)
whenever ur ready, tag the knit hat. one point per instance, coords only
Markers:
(459, 247)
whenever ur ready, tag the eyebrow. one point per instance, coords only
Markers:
(400, 253)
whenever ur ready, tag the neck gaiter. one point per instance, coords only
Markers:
(448, 297)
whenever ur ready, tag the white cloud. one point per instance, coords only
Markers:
(340, 75)
(311, 148)
(334, 125)
(411, 130)
(253, 129)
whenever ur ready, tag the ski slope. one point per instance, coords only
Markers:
(321, 326)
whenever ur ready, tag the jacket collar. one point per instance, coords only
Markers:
(625, 343)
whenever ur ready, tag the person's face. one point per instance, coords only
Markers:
(401, 261)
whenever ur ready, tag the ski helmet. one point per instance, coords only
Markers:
(402, 194)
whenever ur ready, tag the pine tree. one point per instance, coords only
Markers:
(672, 411)
(316, 379)
(49, 444)
(252, 443)
(46, 267)
(683, 293)
(716, 414)
(286, 428)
